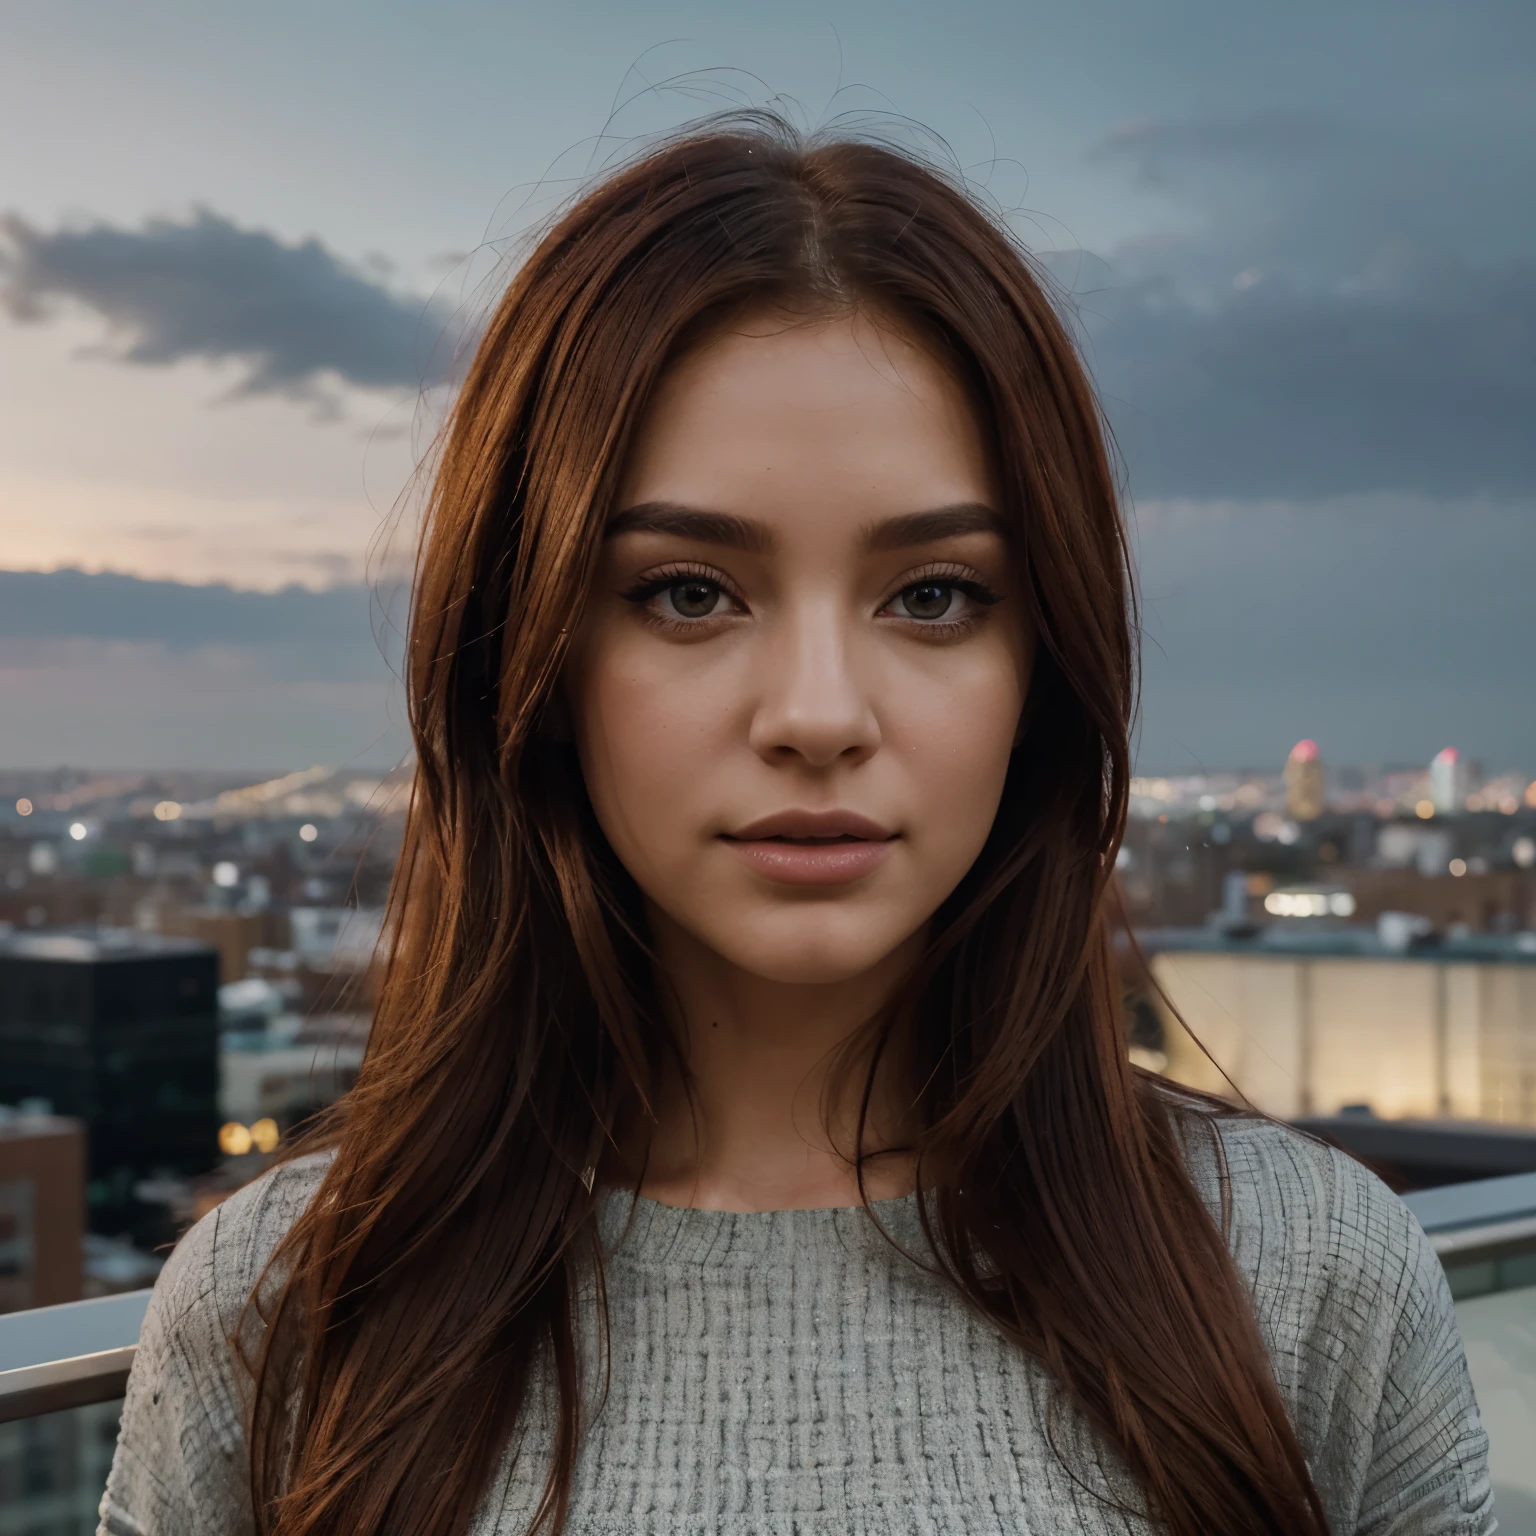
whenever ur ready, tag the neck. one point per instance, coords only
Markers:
(766, 1121)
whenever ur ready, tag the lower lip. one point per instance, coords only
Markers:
(812, 863)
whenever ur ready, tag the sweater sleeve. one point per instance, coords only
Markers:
(179, 1468)
(1428, 1471)
(1358, 1319)
(181, 1465)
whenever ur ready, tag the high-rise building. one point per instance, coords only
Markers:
(119, 1029)
(1449, 774)
(1305, 788)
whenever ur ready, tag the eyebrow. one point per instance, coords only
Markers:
(938, 523)
(692, 523)
(729, 532)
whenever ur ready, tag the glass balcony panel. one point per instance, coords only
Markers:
(53, 1468)
(1499, 1331)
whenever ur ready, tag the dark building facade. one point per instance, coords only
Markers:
(120, 1030)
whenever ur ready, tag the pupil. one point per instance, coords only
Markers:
(929, 600)
(694, 599)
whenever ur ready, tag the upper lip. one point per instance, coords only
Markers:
(832, 823)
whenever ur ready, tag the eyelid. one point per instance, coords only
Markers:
(967, 577)
(658, 578)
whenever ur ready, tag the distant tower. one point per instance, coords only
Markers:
(1448, 780)
(1305, 794)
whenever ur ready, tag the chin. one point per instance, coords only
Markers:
(807, 951)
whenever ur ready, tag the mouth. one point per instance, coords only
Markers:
(812, 847)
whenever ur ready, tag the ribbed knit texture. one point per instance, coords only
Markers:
(790, 1373)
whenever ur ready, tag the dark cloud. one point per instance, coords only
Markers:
(113, 669)
(1341, 306)
(208, 289)
(338, 633)
(1421, 382)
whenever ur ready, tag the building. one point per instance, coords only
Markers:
(1449, 781)
(233, 934)
(119, 1029)
(42, 1208)
(1305, 788)
(271, 1077)
(1314, 1020)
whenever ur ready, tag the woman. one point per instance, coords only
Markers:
(747, 1141)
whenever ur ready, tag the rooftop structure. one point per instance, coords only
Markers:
(1307, 1019)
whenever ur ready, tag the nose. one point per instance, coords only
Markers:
(812, 705)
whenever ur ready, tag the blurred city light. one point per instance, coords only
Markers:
(167, 810)
(309, 832)
(1310, 904)
(23, 807)
(235, 1140)
(77, 830)
(226, 874)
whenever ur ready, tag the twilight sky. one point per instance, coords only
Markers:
(1301, 240)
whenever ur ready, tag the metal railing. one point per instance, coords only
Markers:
(61, 1357)
(1484, 1232)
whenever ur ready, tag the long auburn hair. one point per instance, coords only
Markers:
(434, 1279)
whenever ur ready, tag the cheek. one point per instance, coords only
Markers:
(645, 739)
(954, 730)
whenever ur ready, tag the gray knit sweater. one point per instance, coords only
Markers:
(787, 1373)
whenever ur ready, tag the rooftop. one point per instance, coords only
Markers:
(1330, 941)
(93, 945)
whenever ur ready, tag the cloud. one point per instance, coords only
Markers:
(1342, 307)
(339, 633)
(1161, 149)
(207, 289)
(1423, 381)
(110, 669)
(137, 704)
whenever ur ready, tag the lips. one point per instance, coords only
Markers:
(832, 847)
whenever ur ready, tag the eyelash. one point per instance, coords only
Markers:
(958, 577)
(657, 582)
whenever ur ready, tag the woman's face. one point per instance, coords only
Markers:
(800, 673)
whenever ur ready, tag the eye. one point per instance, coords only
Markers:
(692, 598)
(677, 598)
(927, 600)
(943, 603)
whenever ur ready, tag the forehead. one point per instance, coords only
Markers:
(798, 421)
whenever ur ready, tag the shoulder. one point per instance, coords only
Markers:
(180, 1467)
(217, 1264)
(1302, 1216)
(1319, 1239)
(1356, 1315)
